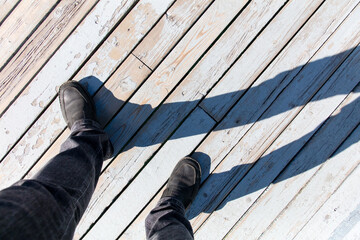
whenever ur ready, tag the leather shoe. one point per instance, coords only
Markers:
(76, 103)
(184, 181)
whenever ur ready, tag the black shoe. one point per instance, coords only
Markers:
(184, 181)
(76, 103)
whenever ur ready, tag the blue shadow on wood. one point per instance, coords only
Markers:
(170, 116)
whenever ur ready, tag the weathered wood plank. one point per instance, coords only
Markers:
(342, 163)
(337, 217)
(43, 133)
(266, 130)
(112, 94)
(180, 103)
(5, 7)
(137, 228)
(171, 71)
(171, 27)
(317, 151)
(250, 65)
(39, 48)
(151, 178)
(121, 42)
(313, 194)
(20, 24)
(59, 69)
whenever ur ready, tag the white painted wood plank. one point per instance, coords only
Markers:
(40, 47)
(314, 193)
(258, 56)
(48, 127)
(121, 42)
(137, 228)
(20, 24)
(5, 8)
(337, 217)
(317, 151)
(171, 71)
(182, 101)
(354, 233)
(270, 204)
(59, 69)
(265, 131)
(284, 68)
(171, 27)
(152, 177)
(110, 54)
(110, 97)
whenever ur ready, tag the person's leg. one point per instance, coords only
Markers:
(167, 220)
(50, 205)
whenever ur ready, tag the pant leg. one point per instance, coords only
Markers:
(50, 205)
(167, 221)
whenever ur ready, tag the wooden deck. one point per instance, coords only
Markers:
(264, 93)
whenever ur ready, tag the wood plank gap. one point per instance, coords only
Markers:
(20, 70)
(98, 100)
(356, 129)
(36, 105)
(213, 92)
(139, 51)
(142, 62)
(7, 9)
(219, 45)
(145, 130)
(310, 68)
(20, 26)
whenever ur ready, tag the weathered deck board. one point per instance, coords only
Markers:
(5, 7)
(39, 93)
(318, 150)
(37, 50)
(151, 92)
(109, 226)
(102, 64)
(265, 130)
(136, 230)
(249, 88)
(29, 59)
(337, 216)
(182, 101)
(284, 149)
(50, 123)
(20, 24)
(171, 27)
(277, 196)
(253, 62)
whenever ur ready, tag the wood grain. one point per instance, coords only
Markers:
(170, 28)
(39, 48)
(170, 114)
(260, 136)
(322, 183)
(5, 7)
(37, 95)
(155, 87)
(337, 217)
(22, 21)
(151, 178)
(50, 125)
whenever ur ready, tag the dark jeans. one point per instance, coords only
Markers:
(50, 205)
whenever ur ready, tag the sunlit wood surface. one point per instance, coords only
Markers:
(264, 93)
